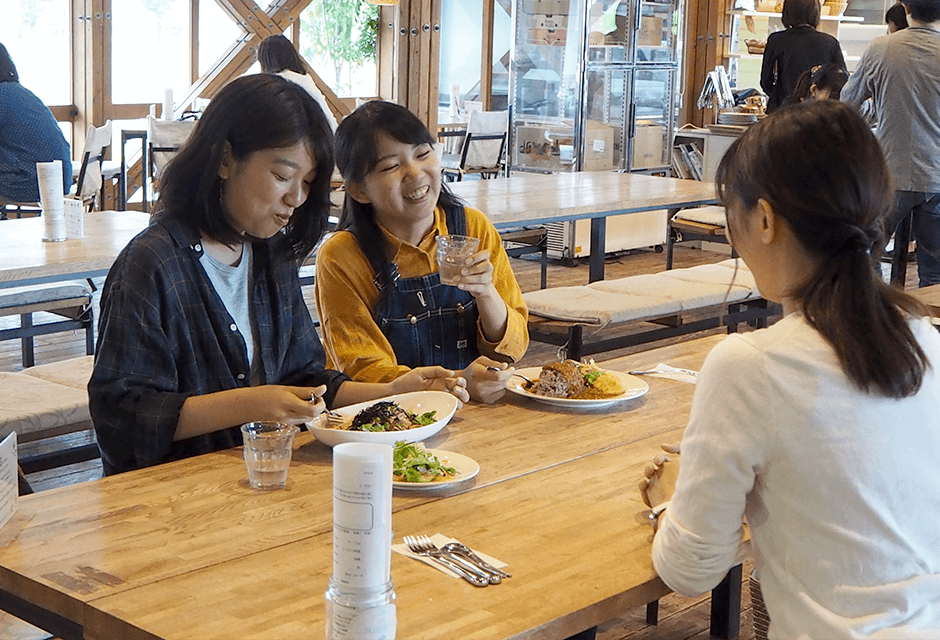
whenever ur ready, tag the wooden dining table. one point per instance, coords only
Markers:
(525, 199)
(187, 549)
(25, 259)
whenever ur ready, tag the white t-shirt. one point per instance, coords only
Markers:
(841, 489)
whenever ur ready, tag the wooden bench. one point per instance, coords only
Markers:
(71, 300)
(651, 306)
(44, 402)
(698, 223)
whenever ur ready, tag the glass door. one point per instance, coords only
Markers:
(545, 84)
(609, 31)
(653, 114)
(658, 24)
(606, 110)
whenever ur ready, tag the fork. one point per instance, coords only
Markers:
(474, 576)
(332, 417)
(671, 370)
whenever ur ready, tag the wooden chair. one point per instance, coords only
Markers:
(164, 139)
(93, 170)
(482, 149)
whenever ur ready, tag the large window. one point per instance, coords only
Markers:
(150, 50)
(337, 38)
(36, 34)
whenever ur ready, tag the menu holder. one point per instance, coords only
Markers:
(74, 210)
(49, 176)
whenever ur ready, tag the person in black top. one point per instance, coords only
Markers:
(798, 48)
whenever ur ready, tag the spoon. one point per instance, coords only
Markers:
(463, 550)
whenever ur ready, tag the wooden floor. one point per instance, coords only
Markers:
(680, 618)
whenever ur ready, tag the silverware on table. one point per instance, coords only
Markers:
(467, 552)
(670, 370)
(465, 570)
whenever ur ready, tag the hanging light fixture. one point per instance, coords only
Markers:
(384, 2)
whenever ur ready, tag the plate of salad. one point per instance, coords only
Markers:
(411, 416)
(416, 468)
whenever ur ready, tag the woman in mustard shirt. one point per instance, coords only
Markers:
(380, 299)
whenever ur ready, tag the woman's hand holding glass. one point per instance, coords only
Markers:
(476, 277)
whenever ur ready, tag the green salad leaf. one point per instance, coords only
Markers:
(425, 418)
(411, 462)
(591, 375)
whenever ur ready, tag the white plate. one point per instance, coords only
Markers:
(416, 402)
(466, 468)
(633, 387)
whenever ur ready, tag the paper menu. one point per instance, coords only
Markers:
(9, 486)
(49, 176)
(362, 514)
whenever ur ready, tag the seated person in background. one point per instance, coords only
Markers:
(794, 50)
(823, 430)
(383, 307)
(277, 55)
(29, 134)
(823, 82)
(203, 323)
(896, 18)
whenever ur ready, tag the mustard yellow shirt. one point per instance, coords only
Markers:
(347, 296)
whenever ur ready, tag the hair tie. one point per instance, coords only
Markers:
(860, 239)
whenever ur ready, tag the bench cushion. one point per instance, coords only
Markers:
(30, 405)
(646, 296)
(705, 215)
(74, 372)
(43, 293)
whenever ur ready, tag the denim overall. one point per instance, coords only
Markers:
(429, 323)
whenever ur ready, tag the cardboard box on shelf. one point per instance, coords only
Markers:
(548, 7)
(538, 147)
(651, 32)
(598, 146)
(648, 145)
(549, 22)
(549, 36)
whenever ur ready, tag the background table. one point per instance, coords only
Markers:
(188, 549)
(532, 199)
(25, 259)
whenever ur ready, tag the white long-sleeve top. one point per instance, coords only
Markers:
(841, 489)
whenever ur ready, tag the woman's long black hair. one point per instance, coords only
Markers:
(819, 167)
(7, 68)
(357, 155)
(251, 113)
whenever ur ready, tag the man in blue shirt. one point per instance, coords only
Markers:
(28, 134)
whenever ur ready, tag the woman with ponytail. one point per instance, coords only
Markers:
(824, 429)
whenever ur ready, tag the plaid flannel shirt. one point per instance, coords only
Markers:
(165, 335)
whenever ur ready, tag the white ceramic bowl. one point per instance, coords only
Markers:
(416, 402)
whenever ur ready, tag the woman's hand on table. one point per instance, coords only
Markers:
(659, 482)
(486, 379)
(433, 379)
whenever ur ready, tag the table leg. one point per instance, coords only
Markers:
(598, 249)
(902, 241)
(39, 617)
(726, 606)
(588, 634)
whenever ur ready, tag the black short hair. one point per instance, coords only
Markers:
(923, 10)
(797, 12)
(7, 68)
(897, 15)
(276, 53)
(251, 113)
